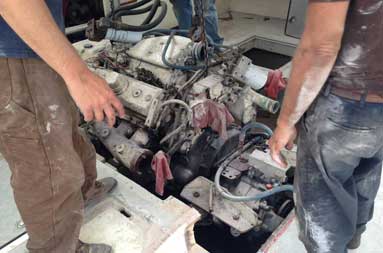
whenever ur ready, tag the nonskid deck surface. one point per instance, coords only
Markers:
(131, 219)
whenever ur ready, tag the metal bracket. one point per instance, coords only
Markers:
(201, 192)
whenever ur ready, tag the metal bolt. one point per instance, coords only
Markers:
(148, 98)
(20, 225)
(236, 217)
(234, 232)
(105, 132)
(137, 93)
(196, 194)
(292, 19)
(120, 148)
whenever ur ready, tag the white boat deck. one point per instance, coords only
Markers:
(241, 27)
(130, 219)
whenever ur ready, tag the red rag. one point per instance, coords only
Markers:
(212, 114)
(275, 84)
(160, 166)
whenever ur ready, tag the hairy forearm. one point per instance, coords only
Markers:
(310, 70)
(314, 58)
(32, 21)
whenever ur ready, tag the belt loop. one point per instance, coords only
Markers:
(327, 90)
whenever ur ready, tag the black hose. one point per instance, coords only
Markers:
(253, 125)
(152, 9)
(132, 12)
(152, 12)
(121, 26)
(129, 6)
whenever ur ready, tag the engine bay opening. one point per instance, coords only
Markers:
(193, 127)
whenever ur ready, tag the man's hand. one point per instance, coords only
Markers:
(94, 97)
(33, 22)
(312, 64)
(283, 137)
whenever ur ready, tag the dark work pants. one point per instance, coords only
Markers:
(52, 163)
(340, 152)
(183, 10)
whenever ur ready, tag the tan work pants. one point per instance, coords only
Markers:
(52, 162)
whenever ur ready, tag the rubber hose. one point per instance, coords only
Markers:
(166, 32)
(121, 26)
(236, 198)
(130, 6)
(152, 9)
(179, 102)
(133, 12)
(256, 197)
(152, 12)
(183, 125)
(253, 125)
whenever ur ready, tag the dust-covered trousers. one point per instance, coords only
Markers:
(52, 162)
(339, 164)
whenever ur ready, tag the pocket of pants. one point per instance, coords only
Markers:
(24, 156)
(349, 116)
(17, 121)
(349, 125)
(5, 88)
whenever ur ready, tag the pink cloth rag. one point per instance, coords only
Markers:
(212, 114)
(275, 84)
(160, 166)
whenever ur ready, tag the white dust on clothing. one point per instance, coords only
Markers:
(9, 108)
(53, 109)
(353, 54)
(48, 127)
(318, 234)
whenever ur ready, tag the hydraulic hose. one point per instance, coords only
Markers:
(181, 103)
(131, 6)
(132, 12)
(152, 9)
(152, 12)
(253, 125)
(181, 127)
(227, 195)
(144, 27)
(166, 32)
(97, 30)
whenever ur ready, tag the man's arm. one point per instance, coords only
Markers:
(33, 22)
(312, 64)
